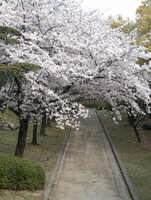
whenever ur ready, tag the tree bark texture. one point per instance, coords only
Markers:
(53, 119)
(21, 143)
(136, 133)
(48, 121)
(43, 125)
(34, 138)
(133, 123)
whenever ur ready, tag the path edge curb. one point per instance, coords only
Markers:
(122, 169)
(57, 165)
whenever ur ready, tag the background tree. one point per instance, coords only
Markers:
(140, 31)
(125, 25)
(143, 24)
(141, 28)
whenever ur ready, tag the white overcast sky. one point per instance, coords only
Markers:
(126, 8)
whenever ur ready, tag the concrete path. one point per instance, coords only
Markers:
(86, 173)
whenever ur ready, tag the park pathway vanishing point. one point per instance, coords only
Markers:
(89, 171)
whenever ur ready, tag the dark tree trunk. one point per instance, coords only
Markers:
(34, 139)
(134, 122)
(43, 125)
(2, 111)
(136, 133)
(48, 122)
(53, 119)
(20, 147)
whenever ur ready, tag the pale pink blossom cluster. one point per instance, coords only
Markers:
(80, 56)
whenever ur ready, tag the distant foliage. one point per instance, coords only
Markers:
(20, 174)
(126, 26)
(96, 104)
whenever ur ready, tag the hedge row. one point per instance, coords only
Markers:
(20, 174)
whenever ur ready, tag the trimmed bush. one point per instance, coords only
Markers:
(20, 174)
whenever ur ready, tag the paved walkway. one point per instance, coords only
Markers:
(87, 173)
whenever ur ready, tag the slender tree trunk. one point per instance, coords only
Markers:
(1, 121)
(48, 121)
(132, 121)
(137, 134)
(43, 125)
(53, 119)
(34, 139)
(20, 147)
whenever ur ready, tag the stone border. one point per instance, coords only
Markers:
(56, 168)
(122, 169)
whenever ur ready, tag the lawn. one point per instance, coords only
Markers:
(45, 153)
(136, 157)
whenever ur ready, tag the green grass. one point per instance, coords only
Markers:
(136, 157)
(45, 153)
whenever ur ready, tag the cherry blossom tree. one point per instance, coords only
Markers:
(87, 60)
(29, 97)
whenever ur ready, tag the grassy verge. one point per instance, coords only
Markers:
(45, 153)
(135, 157)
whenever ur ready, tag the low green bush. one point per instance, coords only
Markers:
(20, 174)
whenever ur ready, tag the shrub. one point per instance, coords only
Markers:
(20, 174)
